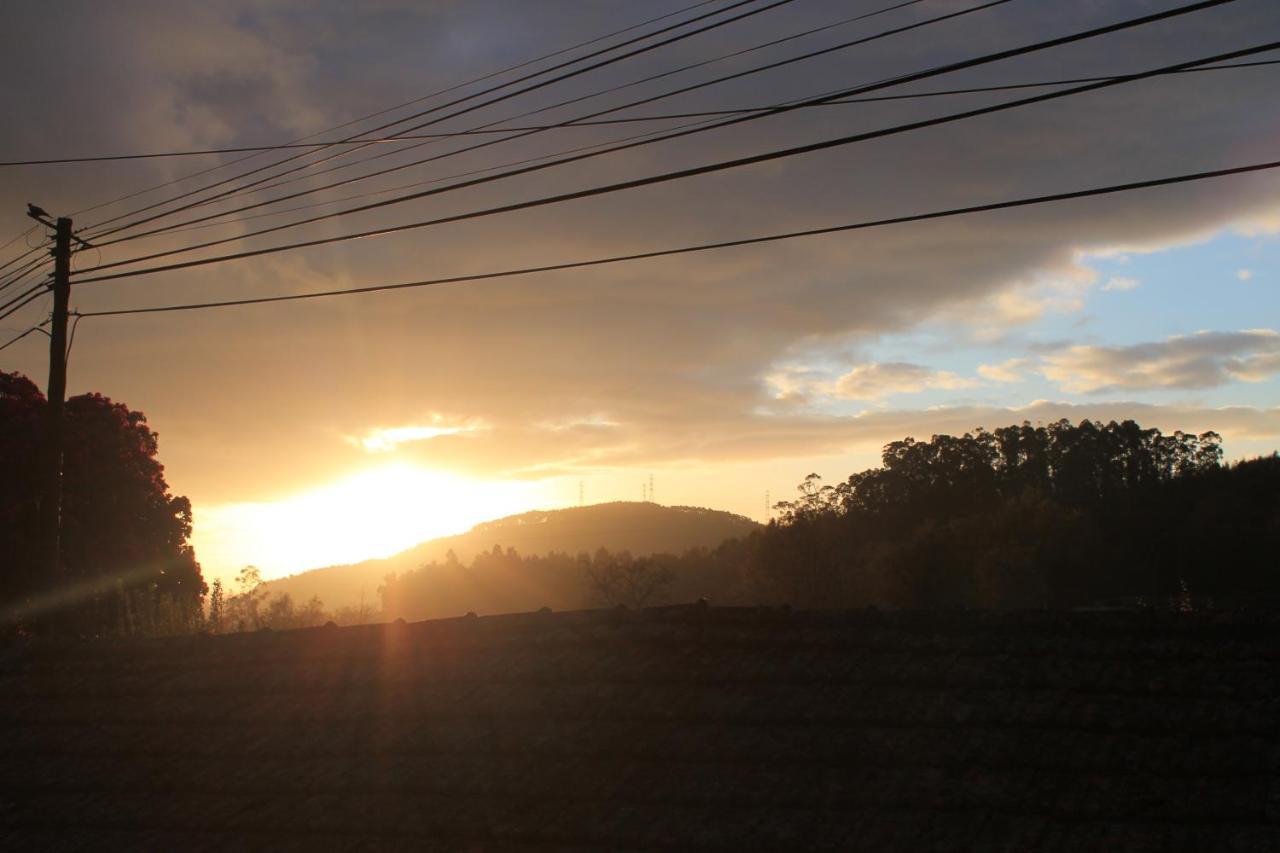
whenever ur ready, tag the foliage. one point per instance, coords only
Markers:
(216, 618)
(126, 557)
(146, 612)
(242, 610)
(1047, 516)
(253, 608)
(616, 579)
(499, 581)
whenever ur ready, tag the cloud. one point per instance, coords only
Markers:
(1005, 371)
(1202, 360)
(1244, 275)
(871, 381)
(875, 380)
(585, 422)
(507, 450)
(1121, 282)
(385, 439)
(673, 350)
(795, 384)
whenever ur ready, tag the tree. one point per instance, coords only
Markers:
(21, 426)
(124, 536)
(622, 579)
(1058, 515)
(243, 608)
(217, 607)
(281, 614)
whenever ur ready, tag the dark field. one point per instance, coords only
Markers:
(680, 728)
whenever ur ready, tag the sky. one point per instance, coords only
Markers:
(315, 432)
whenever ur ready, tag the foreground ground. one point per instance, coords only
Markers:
(684, 728)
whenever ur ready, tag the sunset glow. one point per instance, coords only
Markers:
(561, 293)
(749, 424)
(374, 513)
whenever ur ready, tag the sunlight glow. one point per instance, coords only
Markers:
(386, 439)
(375, 513)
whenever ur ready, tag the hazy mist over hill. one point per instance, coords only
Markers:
(641, 528)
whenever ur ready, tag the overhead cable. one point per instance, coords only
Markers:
(707, 114)
(400, 106)
(457, 101)
(747, 241)
(519, 135)
(689, 172)
(13, 341)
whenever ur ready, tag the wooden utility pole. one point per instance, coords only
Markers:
(51, 504)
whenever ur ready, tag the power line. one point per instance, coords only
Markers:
(747, 241)
(31, 296)
(15, 276)
(566, 123)
(469, 173)
(706, 113)
(576, 121)
(971, 90)
(16, 237)
(732, 55)
(446, 135)
(284, 146)
(418, 100)
(28, 253)
(863, 40)
(71, 338)
(673, 135)
(13, 341)
(22, 272)
(581, 124)
(19, 298)
(457, 101)
(20, 295)
(682, 173)
(175, 229)
(257, 183)
(437, 120)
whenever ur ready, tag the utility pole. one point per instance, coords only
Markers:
(51, 501)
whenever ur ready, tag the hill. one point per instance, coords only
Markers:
(641, 528)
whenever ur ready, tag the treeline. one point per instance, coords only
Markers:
(1054, 516)
(248, 606)
(504, 581)
(1028, 516)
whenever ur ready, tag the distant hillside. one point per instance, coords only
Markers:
(641, 528)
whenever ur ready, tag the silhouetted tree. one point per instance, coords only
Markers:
(217, 607)
(621, 579)
(124, 536)
(281, 614)
(1030, 516)
(243, 609)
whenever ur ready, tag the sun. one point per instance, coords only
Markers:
(374, 513)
